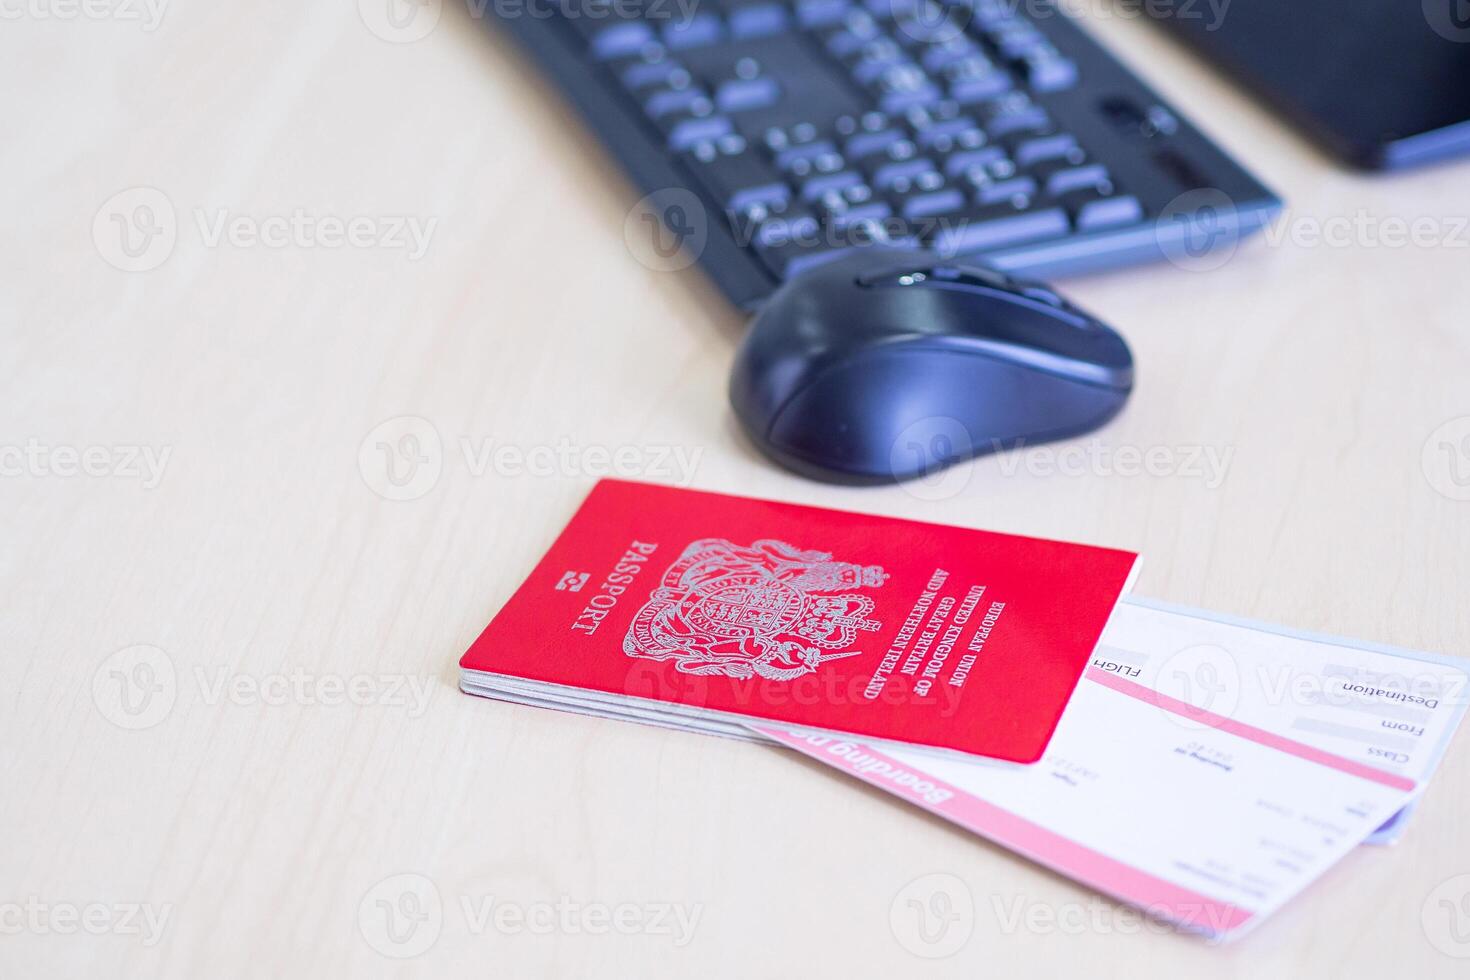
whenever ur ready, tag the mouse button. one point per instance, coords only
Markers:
(1044, 295)
(868, 416)
(989, 286)
(901, 413)
(1029, 324)
(876, 268)
(973, 275)
(909, 274)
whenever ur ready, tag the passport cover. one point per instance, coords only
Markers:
(888, 629)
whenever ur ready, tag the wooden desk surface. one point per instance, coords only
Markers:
(228, 680)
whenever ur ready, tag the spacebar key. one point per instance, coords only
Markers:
(992, 228)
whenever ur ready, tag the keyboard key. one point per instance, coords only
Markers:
(997, 226)
(746, 94)
(1013, 113)
(1047, 71)
(934, 202)
(798, 224)
(1034, 149)
(801, 158)
(850, 121)
(664, 102)
(1017, 189)
(786, 256)
(874, 212)
(849, 39)
(885, 175)
(835, 203)
(898, 150)
(1060, 179)
(698, 31)
(964, 161)
(817, 186)
(738, 180)
(821, 13)
(1092, 211)
(620, 39)
(863, 144)
(658, 71)
(755, 18)
(874, 58)
(904, 86)
(991, 15)
(777, 139)
(888, 9)
(948, 51)
(684, 132)
(951, 134)
(1016, 38)
(927, 28)
(793, 255)
(976, 78)
(872, 121)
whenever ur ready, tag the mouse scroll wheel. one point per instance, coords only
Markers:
(962, 275)
(971, 275)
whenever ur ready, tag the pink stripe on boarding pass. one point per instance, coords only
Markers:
(1155, 896)
(1250, 732)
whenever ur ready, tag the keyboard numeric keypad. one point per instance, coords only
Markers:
(957, 154)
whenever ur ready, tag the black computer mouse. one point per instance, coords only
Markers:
(884, 365)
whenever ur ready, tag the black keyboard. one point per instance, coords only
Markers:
(802, 128)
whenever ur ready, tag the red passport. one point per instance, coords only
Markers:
(704, 611)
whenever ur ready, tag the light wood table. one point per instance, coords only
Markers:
(228, 674)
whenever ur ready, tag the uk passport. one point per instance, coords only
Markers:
(705, 611)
